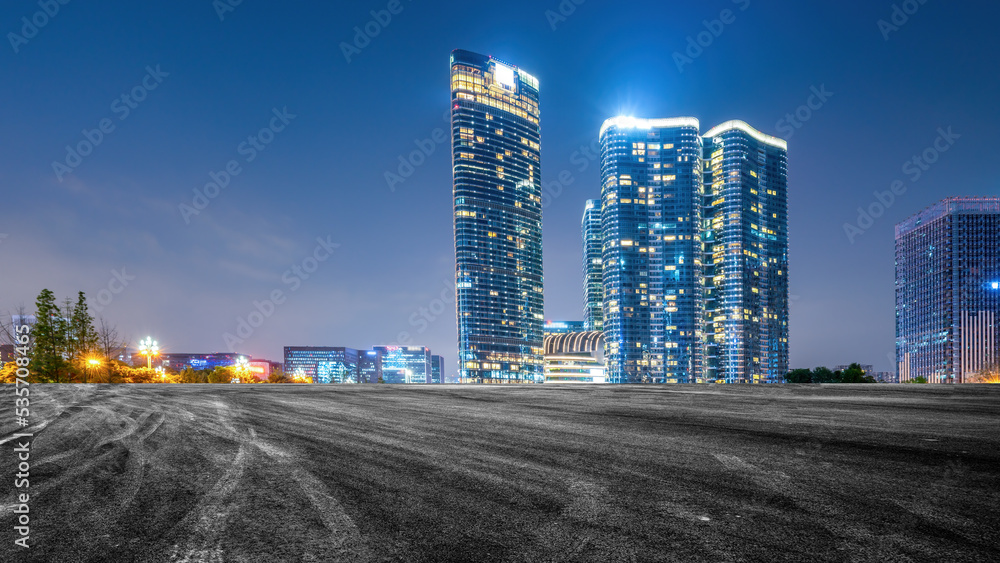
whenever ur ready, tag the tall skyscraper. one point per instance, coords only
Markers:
(651, 230)
(498, 220)
(746, 254)
(593, 285)
(948, 290)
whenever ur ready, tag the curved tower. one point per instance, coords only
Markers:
(746, 251)
(651, 221)
(498, 220)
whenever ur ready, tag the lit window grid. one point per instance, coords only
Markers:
(746, 232)
(652, 332)
(497, 190)
(947, 258)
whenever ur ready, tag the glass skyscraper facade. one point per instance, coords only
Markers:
(322, 364)
(411, 363)
(948, 290)
(370, 366)
(498, 220)
(651, 223)
(437, 369)
(593, 285)
(745, 234)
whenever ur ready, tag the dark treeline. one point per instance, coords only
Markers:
(853, 374)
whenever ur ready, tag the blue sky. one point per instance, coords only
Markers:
(113, 226)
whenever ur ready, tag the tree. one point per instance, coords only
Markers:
(799, 376)
(47, 361)
(854, 374)
(278, 376)
(8, 372)
(917, 379)
(824, 375)
(110, 344)
(83, 338)
(222, 374)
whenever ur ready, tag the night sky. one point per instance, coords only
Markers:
(110, 223)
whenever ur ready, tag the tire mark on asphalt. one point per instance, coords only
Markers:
(208, 519)
(345, 538)
(206, 522)
(774, 480)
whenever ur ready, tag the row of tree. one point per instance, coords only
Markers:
(64, 340)
(66, 346)
(853, 374)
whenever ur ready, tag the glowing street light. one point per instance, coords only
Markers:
(93, 363)
(242, 367)
(149, 348)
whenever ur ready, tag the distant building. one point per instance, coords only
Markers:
(323, 364)
(437, 369)
(413, 362)
(394, 376)
(370, 366)
(6, 353)
(179, 362)
(867, 368)
(575, 357)
(593, 285)
(885, 376)
(562, 327)
(498, 219)
(17, 321)
(125, 355)
(948, 290)
(262, 369)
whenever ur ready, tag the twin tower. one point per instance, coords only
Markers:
(685, 254)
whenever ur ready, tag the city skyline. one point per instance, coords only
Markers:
(316, 197)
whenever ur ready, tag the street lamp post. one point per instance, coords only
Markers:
(149, 348)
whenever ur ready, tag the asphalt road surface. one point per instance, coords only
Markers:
(275, 473)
